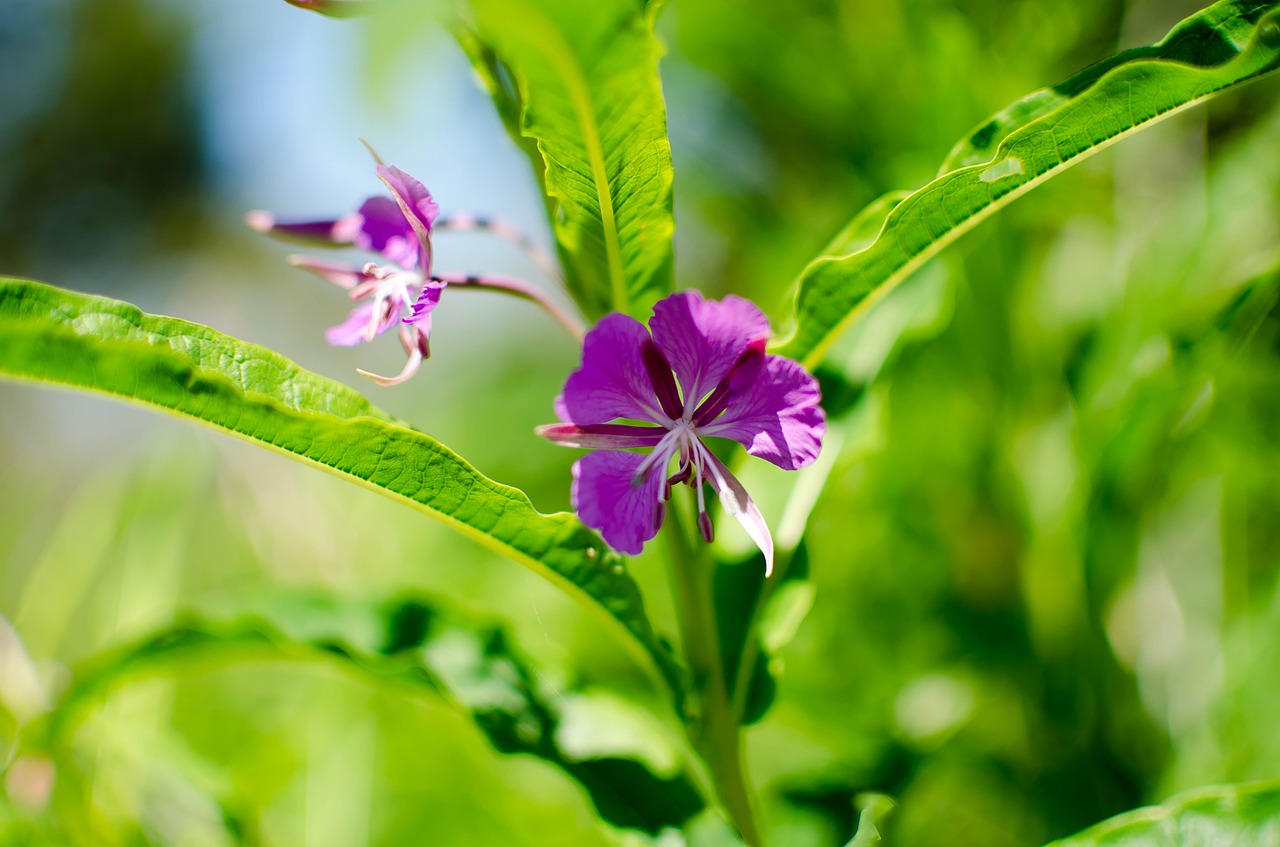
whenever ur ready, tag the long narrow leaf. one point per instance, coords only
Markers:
(1217, 49)
(583, 79)
(413, 646)
(1210, 817)
(196, 373)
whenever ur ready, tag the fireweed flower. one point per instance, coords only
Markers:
(401, 291)
(699, 371)
(334, 8)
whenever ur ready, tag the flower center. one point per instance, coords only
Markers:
(680, 440)
(392, 290)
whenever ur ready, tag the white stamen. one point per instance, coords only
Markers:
(387, 283)
(659, 458)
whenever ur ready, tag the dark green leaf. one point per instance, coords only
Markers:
(741, 596)
(471, 667)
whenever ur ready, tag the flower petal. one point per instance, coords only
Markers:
(426, 302)
(354, 330)
(384, 229)
(738, 503)
(417, 204)
(703, 338)
(339, 274)
(606, 499)
(773, 411)
(602, 436)
(327, 233)
(334, 8)
(612, 381)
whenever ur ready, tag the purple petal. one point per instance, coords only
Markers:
(738, 503)
(602, 436)
(627, 515)
(361, 325)
(354, 330)
(426, 302)
(407, 190)
(339, 274)
(383, 229)
(415, 201)
(703, 338)
(334, 8)
(329, 233)
(660, 377)
(773, 411)
(612, 382)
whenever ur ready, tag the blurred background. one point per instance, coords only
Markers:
(1043, 571)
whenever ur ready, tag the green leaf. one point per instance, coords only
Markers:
(739, 589)
(583, 79)
(1041, 135)
(199, 374)
(736, 590)
(875, 809)
(1210, 817)
(413, 646)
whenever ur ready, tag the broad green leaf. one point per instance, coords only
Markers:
(580, 80)
(1221, 47)
(415, 647)
(196, 373)
(1210, 817)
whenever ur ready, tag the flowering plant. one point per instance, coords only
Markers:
(701, 730)
(723, 385)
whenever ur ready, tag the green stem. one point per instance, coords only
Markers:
(751, 645)
(713, 729)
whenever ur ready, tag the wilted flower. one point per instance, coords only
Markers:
(701, 373)
(403, 292)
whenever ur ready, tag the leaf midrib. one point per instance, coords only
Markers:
(635, 643)
(561, 59)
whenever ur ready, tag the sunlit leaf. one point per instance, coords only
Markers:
(875, 809)
(193, 372)
(1246, 814)
(580, 81)
(417, 648)
(1041, 135)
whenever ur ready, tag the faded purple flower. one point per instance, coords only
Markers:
(699, 371)
(399, 292)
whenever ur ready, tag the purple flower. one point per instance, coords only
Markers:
(334, 8)
(397, 228)
(699, 371)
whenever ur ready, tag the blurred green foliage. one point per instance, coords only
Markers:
(103, 149)
(1044, 570)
